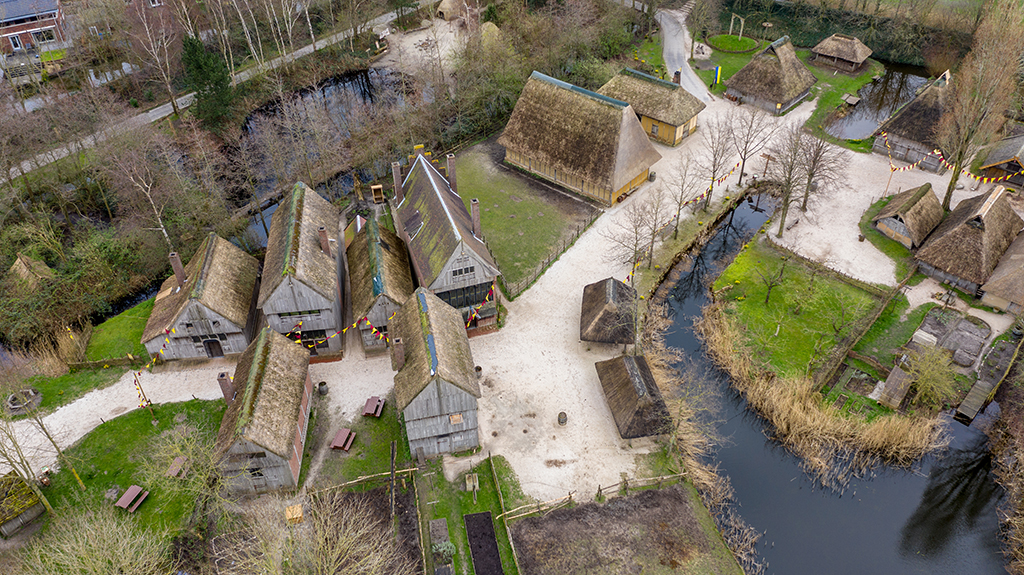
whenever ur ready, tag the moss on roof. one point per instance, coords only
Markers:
(843, 47)
(916, 121)
(919, 209)
(16, 497)
(653, 97)
(775, 75)
(378, 266)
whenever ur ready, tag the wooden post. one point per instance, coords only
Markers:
(394, 446)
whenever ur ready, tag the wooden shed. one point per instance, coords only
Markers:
(841, 51)
(910, 216)
(300, 292)
(380, 280)
(633, 396)
(445, 240)
(909, 134)
(607, 313)
(207, 308)
(1006, 160)
(774, 80)
(436, 385)
(667, 112)
(965, 248)
(590, 144)
(263, 432)
(1005, 287)
(895, 388)
(26, 274)
(19, 505)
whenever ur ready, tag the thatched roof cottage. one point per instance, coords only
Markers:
(909, 135)
(606, 315)
(300, 292)
(380, 280)
(585, 142)
(436, 386)
(633, 396)
(207, 308)
(26, 274)
(1007, 159)
(451, 9)
(667, 112)
(1005, 287)
(965, 248)
(445, 241)
(841, 51)
(910, 216)
(263, 431)
(19, 505)
(775, 80)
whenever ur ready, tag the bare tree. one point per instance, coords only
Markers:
(824, 166)
(687, 188)
(786, 169)
(157, 44)
(14, 455)
(771, 278)
(188, 14)
(628, 237)
(703, 18)
(983, 88)
(657, 211)
(714, 162)
(752, 128)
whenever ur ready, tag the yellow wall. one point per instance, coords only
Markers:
(667, 133)
(573, 183)
(634, 183)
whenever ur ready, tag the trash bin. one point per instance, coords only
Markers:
(652, 176)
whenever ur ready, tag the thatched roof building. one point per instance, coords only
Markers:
(268, 414)
(451, 9)
(775, 80)
(1005, 287)
(1007, 160)
(841, 51)
(668, 113)
(583, 141)
(633, 396)
(18, 504)
(910, 216)
(909, 134)
(966, 247)
(607, 312)
(211, 302)
(379, 274)
(28, 273)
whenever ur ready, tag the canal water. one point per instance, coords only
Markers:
(938, 517)
(879, 100)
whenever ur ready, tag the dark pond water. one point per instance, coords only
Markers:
(879, 100)
(937, 518)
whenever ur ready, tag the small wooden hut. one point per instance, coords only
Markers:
(451, 9)
(633, 396)
(1005, 287)
(895, 388)
(909, 134)
(27, 274)
(300, 292)
(667, 112)
(1006, 160)
(775, 80)
(585, 142)
(19, 505)
(436, 385)
(263, 432)
(910, 216)
(607, 312)
(380, 279)
(207, 308)
(965, 248)
(841, 51)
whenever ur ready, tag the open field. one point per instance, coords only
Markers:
(120, 335)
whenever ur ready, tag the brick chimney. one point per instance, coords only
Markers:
(325, 243)
(227, 387)
(179, 270)
(451, 172)
(396, 173)
(474, 212)
(397, 353)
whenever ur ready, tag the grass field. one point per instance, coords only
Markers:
(891, 330)
(650, 53)
(801, 314)
(64, 389)
(733, 43)
(120, 335)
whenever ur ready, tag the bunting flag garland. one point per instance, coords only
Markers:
(70, 334)
(948, 166)
(473, 312)
(143, 400)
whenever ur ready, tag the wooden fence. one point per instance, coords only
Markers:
(504, 520)
(621, 489)
(512, 290)
(367, 479)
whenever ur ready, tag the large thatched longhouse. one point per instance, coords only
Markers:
(841, 51)
(909, 135)
(775, 80)
(633, 396)
(667, 112)
(910, 216)
(379, 274)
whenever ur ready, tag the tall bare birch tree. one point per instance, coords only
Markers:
(714, 162)
(786, 171)
(157, 44)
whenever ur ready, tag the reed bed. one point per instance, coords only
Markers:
(1007, 440)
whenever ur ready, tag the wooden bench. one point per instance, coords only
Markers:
(133, 493)
(374, 406)
(178, 468)
(343, 439)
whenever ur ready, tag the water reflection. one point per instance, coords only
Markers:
(879, 100)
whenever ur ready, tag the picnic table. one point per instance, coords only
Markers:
(374, 406)
(133, 493)
(178, 468)
(343, 439)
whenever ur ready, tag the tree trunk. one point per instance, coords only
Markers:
(782, 216)
(953, 178)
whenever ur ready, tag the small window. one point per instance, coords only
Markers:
(188, 326)
(222, 337)
(196, 339)
(654, 129)
(155, 3)
(455, 418)
(255, 472)
(216, 323)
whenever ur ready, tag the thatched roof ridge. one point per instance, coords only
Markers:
(378, 265)
(436, 221)
(919, 209)
(293, 246)
(1006, 150)
(16, 496)
(436, 347)
(220, 276)
(776, 74)
(606, 315)
(269, 381)
(1007, 280)
(843, 47)
(578, 132)
(633, 396)
(969, 243)
(29, 271)
(653, 97)
(916, 120)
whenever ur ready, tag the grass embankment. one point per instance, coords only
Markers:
(115, 453)
(648, 58)
(120, 335)
(64, 389)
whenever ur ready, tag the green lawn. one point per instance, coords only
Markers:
(899, 254)
(732, 43)
(120, 335)
(113, 454)
(829, 91)
(801, 309)
(650, 54)
(371, 450)
(52, 55)
(891, 330)
(856, 404)
(64, 389)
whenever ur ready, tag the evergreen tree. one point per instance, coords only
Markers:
(209, 77)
